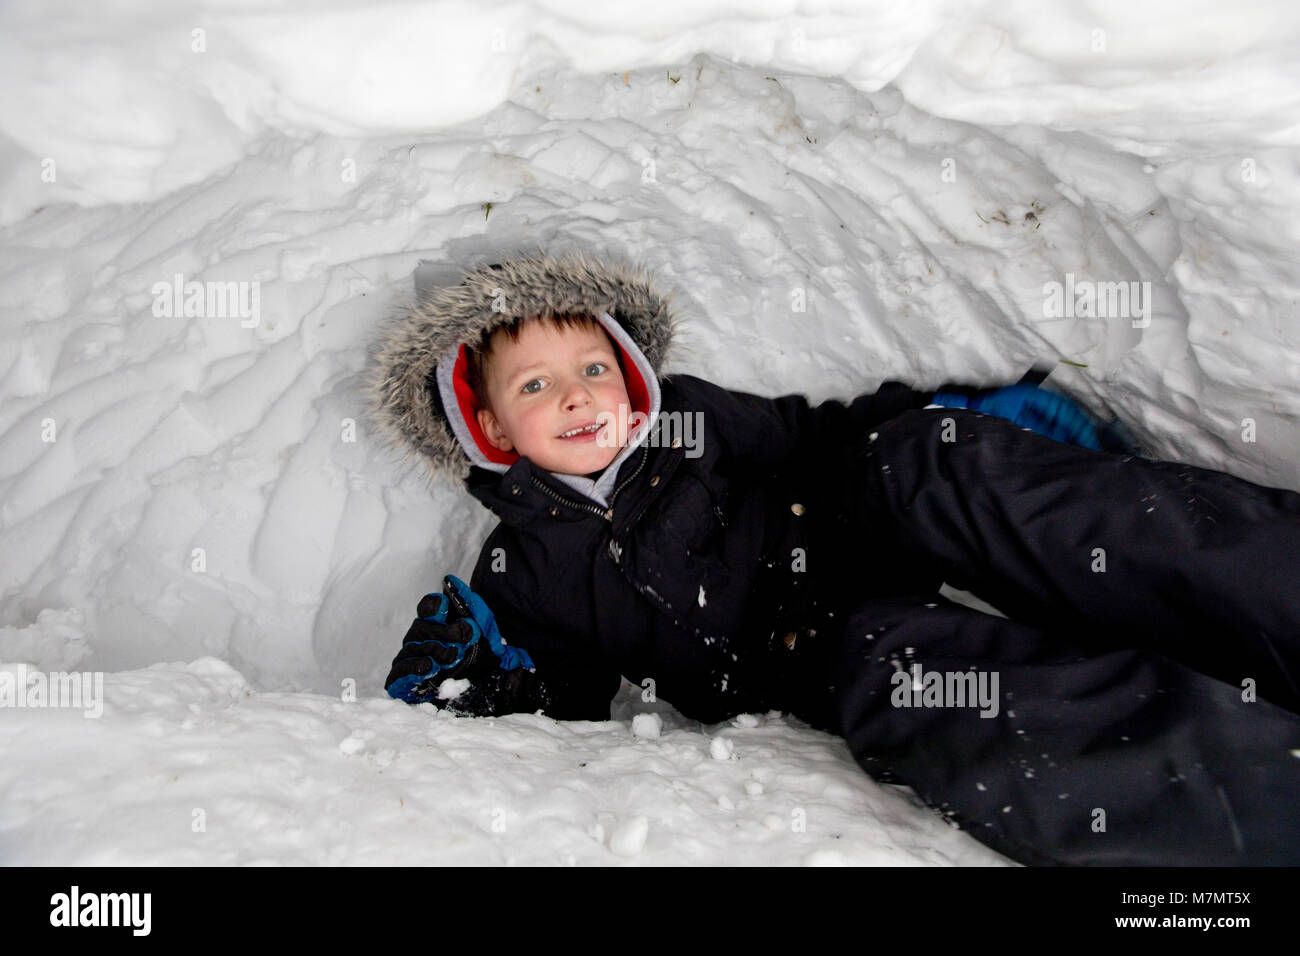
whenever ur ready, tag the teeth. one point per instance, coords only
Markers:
(575, 431)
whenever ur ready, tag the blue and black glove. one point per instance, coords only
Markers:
(454, 636)
(1048, 413)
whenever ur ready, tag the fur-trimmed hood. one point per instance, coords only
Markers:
(417, 395)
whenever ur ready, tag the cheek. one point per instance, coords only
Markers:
(616, 393)
(534, 422)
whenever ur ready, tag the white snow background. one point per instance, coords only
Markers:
(920, 169)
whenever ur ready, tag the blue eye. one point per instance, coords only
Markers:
(600, 365)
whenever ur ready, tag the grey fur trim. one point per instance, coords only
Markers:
(409, 347)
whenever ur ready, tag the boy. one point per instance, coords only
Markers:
(788, 557)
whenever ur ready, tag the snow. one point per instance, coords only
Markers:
(190, 764)
(452, 688)
(840, 193)
(649, 726)
(628, 839)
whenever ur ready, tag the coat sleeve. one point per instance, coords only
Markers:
(567, 683)
(772, 430)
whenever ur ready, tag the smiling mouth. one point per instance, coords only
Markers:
(581, 430)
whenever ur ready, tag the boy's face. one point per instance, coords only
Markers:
(554, 380)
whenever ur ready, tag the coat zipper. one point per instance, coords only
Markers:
(606, 513)
(581, 506)
(645, 456)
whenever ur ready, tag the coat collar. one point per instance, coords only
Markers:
(524, 493)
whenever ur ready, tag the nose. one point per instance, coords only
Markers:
(576, 394)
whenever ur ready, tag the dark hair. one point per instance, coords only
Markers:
(479, 353)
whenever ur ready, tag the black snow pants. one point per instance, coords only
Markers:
(1140, 699)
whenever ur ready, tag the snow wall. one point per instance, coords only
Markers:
(838, 193)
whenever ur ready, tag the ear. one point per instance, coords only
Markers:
(493, 431)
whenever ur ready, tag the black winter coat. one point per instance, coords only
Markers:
(724, 578)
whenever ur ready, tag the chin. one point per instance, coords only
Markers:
(588, 467)
(585, 466)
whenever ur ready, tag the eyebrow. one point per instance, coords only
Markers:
(585, 353)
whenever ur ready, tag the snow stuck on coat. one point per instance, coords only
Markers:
(191, 504)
